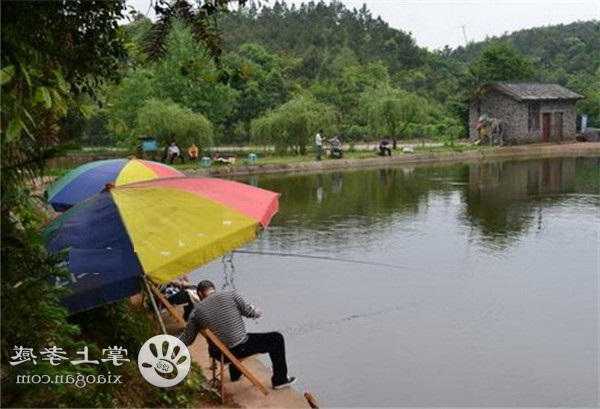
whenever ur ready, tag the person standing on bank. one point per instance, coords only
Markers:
(319, 144)
(222, 313)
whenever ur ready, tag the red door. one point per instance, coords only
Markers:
(546, 122)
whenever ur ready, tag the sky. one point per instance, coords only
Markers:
(436, 23)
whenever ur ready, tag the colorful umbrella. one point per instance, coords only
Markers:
(86, 180)
(163, 228)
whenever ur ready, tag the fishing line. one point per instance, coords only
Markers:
(342, 260)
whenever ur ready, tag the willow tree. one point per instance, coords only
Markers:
(394, 113)
(292, 125)
(169, 121)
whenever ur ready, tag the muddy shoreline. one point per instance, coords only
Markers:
(509, 152)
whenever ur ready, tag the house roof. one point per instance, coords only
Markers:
(534, 91)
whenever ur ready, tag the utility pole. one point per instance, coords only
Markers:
(464, 33)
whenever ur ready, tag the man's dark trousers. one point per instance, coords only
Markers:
(271, 343)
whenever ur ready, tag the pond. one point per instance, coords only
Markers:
(488, 296)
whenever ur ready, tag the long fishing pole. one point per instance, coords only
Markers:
(343, 260)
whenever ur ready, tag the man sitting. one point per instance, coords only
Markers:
(174, 152)
(222, 313)
(193, 152)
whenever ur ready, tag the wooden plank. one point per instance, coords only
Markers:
(312, 402)
(215, 340)
(172, 310)
(234, 361)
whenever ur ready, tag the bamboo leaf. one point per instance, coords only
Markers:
(59, 102)
(13, 131)
(6, 74)
(60, 80)
(86, 110)
(28, 115)
(26, 75)
(43, 95)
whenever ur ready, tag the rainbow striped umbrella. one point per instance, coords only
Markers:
(163, 228)
(86, 180)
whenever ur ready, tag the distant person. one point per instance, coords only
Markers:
(193, 152)
(336, 151)
(319, 144)
(222, 313)
(385, 148)
(173, 152)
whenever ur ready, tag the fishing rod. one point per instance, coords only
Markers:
(343, 260)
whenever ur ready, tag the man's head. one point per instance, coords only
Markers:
(205, 288)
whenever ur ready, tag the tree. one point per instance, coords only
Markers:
(261, 78)
(500, 62)
(44, 76)
(185, 75)
(294, 124)
(394, 113)
(168, 121)
(589, 86)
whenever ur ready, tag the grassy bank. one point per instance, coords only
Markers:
(266, 156)
(278, 159)
(270, 162)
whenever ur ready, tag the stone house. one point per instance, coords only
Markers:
(530, 112)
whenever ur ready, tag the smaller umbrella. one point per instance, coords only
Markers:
(162, 228)
(86, 180)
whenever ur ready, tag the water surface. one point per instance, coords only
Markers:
(493, 301)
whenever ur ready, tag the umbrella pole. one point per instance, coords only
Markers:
(154, 305)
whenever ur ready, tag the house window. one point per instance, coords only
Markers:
(534, 116)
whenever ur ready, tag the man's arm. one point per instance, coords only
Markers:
(247, 310)
(192, 328)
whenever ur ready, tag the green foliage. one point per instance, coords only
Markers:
(501, 62)
(395, 113)
(339, 56)
(31, 312)
(319, 33)
(294, 124)
(262, 80)
(48, 80)
(570, 49)
(588, 85)
(186, 75)
(565, 54)
(168, 121)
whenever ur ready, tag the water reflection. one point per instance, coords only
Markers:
(501, 199)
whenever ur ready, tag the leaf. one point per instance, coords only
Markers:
(28, 115)
(59, 102)
(62, 84)
(6, 74)
(43, 95)
(26, 74)
(86, 110)
(13, 131)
